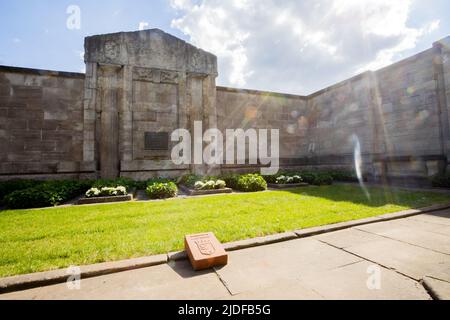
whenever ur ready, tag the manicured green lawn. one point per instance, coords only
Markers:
(39, 240)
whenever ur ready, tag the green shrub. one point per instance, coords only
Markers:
(272, 179)
(46, 194)
(441, 181)
(323, 179)
(316, 178)
(162, 190)
(114, 183)
(8, 187)
(250, 183)
(190, 180)
(344, 176)
(142, 185)
(231, 180)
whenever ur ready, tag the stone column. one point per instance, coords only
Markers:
(90, 95)
(210, 114)
(109, 100)
(149, 84)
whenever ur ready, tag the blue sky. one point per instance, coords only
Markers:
(287, 46)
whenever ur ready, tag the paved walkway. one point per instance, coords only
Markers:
(385, 260)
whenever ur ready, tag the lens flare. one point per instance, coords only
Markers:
(358, 164)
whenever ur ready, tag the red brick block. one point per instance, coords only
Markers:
(205, 251)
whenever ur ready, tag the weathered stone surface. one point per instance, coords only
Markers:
(162, 83)
(408, 259)
(257, 267)
(350, 283)
(410, 234)
(175, 281)
(439, 289)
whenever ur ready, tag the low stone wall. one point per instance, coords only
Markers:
(41, 124)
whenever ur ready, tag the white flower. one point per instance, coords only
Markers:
(121, 190)
(93, 192)
(199, 185)
(210, 184)
(220, 184)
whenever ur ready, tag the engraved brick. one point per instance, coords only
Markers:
(205, 251)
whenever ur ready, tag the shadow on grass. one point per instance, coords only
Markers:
(376, 196)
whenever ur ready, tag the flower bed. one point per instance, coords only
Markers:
(286, 181)
(196, 186)
(194, 192)
(106, 194)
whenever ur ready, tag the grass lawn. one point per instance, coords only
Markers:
(39, 240)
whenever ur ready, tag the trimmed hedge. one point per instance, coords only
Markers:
(8, 187)
(162, 190)
(317, 178)
(46, 194)
(344, 176)
(246, 183)
(114, 183)
(441, 181)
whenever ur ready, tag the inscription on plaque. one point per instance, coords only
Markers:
(157, 141)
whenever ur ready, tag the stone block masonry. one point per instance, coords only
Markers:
(41, 123)
(141, 86)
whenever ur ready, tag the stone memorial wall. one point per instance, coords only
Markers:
(139, 87)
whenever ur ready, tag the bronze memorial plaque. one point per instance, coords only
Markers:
(205, 251)
(156, 141)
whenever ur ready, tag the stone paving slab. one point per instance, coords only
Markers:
(175, 281)
(260, 267)
(346, 238)
(351, 282)
(413, 261)
(411, 235)
(291, 289)
(32, 280)
(442, 218)
(439, 289)
(424, 226)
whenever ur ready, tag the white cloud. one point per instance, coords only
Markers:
(181, 4)
(17, 40)
(298, 46)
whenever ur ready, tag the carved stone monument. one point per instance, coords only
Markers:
(205, 251)
(142, 86)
